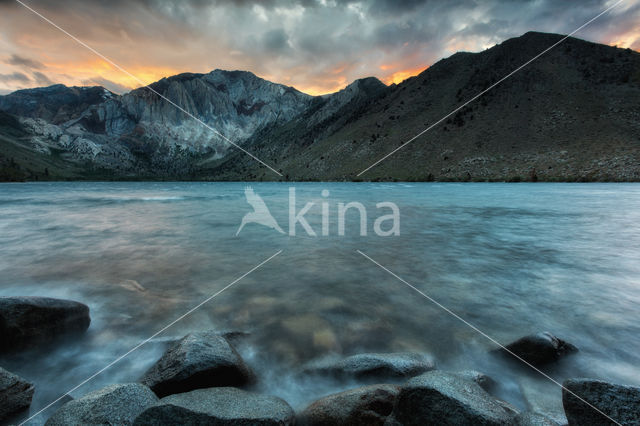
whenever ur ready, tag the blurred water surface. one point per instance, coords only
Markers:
(512, 259)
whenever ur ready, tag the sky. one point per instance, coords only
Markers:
(316, 46)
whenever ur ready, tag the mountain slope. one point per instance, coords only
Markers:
(277, 141)
(573, 114)
(140, 134)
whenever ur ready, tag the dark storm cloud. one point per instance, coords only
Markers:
(314, 44)
(25, 62)
(16, 77)
(393, 6)
(399, 33)
(41, 79)
(276, 40)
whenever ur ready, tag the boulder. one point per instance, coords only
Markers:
(541, 397)
(529, 418)
(113, 405)
(484, 381)
(198, 360)
(368, 405)
(15, 394)
(25, 321)
(443, 398)
(234, 336)
(218, 406)
(618, 402)
(373, 366)
(539, 349)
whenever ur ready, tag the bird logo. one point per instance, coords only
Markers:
(260, 213)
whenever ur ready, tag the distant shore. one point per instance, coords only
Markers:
(514, 179)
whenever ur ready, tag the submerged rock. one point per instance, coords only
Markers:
(218, 406)
(618, 402)
(199, 360)
(539, 349)
(15, 394)
(484, 381)
(443, 398)
(310, 333)
(25, 321)
(364, 406)
(112, 405)
(373, 366)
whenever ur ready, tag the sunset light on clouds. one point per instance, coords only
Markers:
(316, 46)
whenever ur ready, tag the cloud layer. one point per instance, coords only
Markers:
(318, 46)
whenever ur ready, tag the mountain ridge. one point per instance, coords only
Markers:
(570, 115)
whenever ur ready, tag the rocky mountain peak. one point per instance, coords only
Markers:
(55, 104)
(368, 83)
(570, 114)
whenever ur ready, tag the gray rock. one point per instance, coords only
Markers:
(364, 406)
(112, 405)
(218, 406)
(541, 397)
(369, 366)
(620, 403)
(484, 381)
(509, 408)
(234, 336)
(539, 349)
(529, 418)
(25, 321)
(199, 360)
(15, 394)
(443, 398)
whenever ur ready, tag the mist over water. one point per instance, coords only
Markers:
(512, 259)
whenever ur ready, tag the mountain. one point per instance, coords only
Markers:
(97, 134)
(572, 114)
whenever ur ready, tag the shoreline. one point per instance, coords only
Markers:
(170, 180)
(203, 377)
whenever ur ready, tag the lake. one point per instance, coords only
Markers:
(512, 259)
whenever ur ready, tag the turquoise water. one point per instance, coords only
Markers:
(512, 259)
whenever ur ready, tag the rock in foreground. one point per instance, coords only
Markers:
(25, 321)
(443, 398)
(539, 349)
(620, 403)
(197, 361)
(218, 406)
(113, 405)
(365, 406)
(401, 365)
(15, 394)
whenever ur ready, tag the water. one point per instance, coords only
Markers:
(512, 259)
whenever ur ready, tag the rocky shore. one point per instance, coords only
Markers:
(202, 379)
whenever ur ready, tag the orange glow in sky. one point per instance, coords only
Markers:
(402, 75)
(98, 68)
(317, 90)
(317, 49)
(627, 40)
(77, 72)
